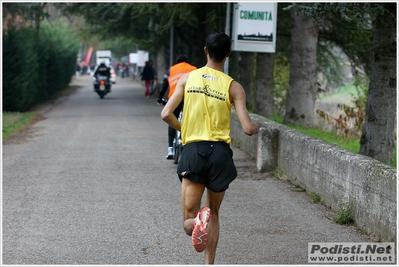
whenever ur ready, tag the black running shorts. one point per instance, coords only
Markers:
(208, 163)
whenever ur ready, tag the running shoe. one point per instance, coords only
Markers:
(200, 235)
(161, 101)
(171, 154)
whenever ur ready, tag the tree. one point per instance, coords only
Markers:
(301, 95)
(23, 14)
(264, 84)
(377, 140)
(340, 41)
(352, 36)
(148, 25)
(247, 77)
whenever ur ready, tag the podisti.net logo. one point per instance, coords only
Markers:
(365, 253)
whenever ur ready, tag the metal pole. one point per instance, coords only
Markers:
(227, 30)
(171, 47)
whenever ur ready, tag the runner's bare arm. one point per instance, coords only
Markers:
(167, 112)
(238, 98)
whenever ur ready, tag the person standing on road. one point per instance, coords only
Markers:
(78, 70)
(207, 159)
(171, 78)
(148, 77)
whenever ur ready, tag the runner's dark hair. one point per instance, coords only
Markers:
(218, 44)
(182, 58)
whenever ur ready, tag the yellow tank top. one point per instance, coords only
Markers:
(207, 107)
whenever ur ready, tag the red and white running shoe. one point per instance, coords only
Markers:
(200, 235)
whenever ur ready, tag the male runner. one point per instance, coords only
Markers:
(207, 159)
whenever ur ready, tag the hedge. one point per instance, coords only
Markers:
(36, 65)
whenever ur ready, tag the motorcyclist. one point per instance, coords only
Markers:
(103, 70)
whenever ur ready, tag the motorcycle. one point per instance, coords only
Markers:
(102, 85)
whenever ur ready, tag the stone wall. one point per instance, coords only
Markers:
(340, 177)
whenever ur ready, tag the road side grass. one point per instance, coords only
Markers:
(15, 121)
(349, 143)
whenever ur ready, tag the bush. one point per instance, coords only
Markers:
(350, 123)
(59, 50)
(20, 70)
(344, 216)
(37, 64)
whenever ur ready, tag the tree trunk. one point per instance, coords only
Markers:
(264, 84)
(234, 62)
(159, 64)
(246, 78)
(377, 140)
(302, 91)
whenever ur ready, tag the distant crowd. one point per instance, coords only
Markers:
(83, 69)
(121, 69)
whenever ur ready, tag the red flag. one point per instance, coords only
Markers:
(88, 55)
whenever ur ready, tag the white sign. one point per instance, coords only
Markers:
(254, 27)
(133, 58)
(143, 56)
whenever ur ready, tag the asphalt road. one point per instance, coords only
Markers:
(89, 185)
